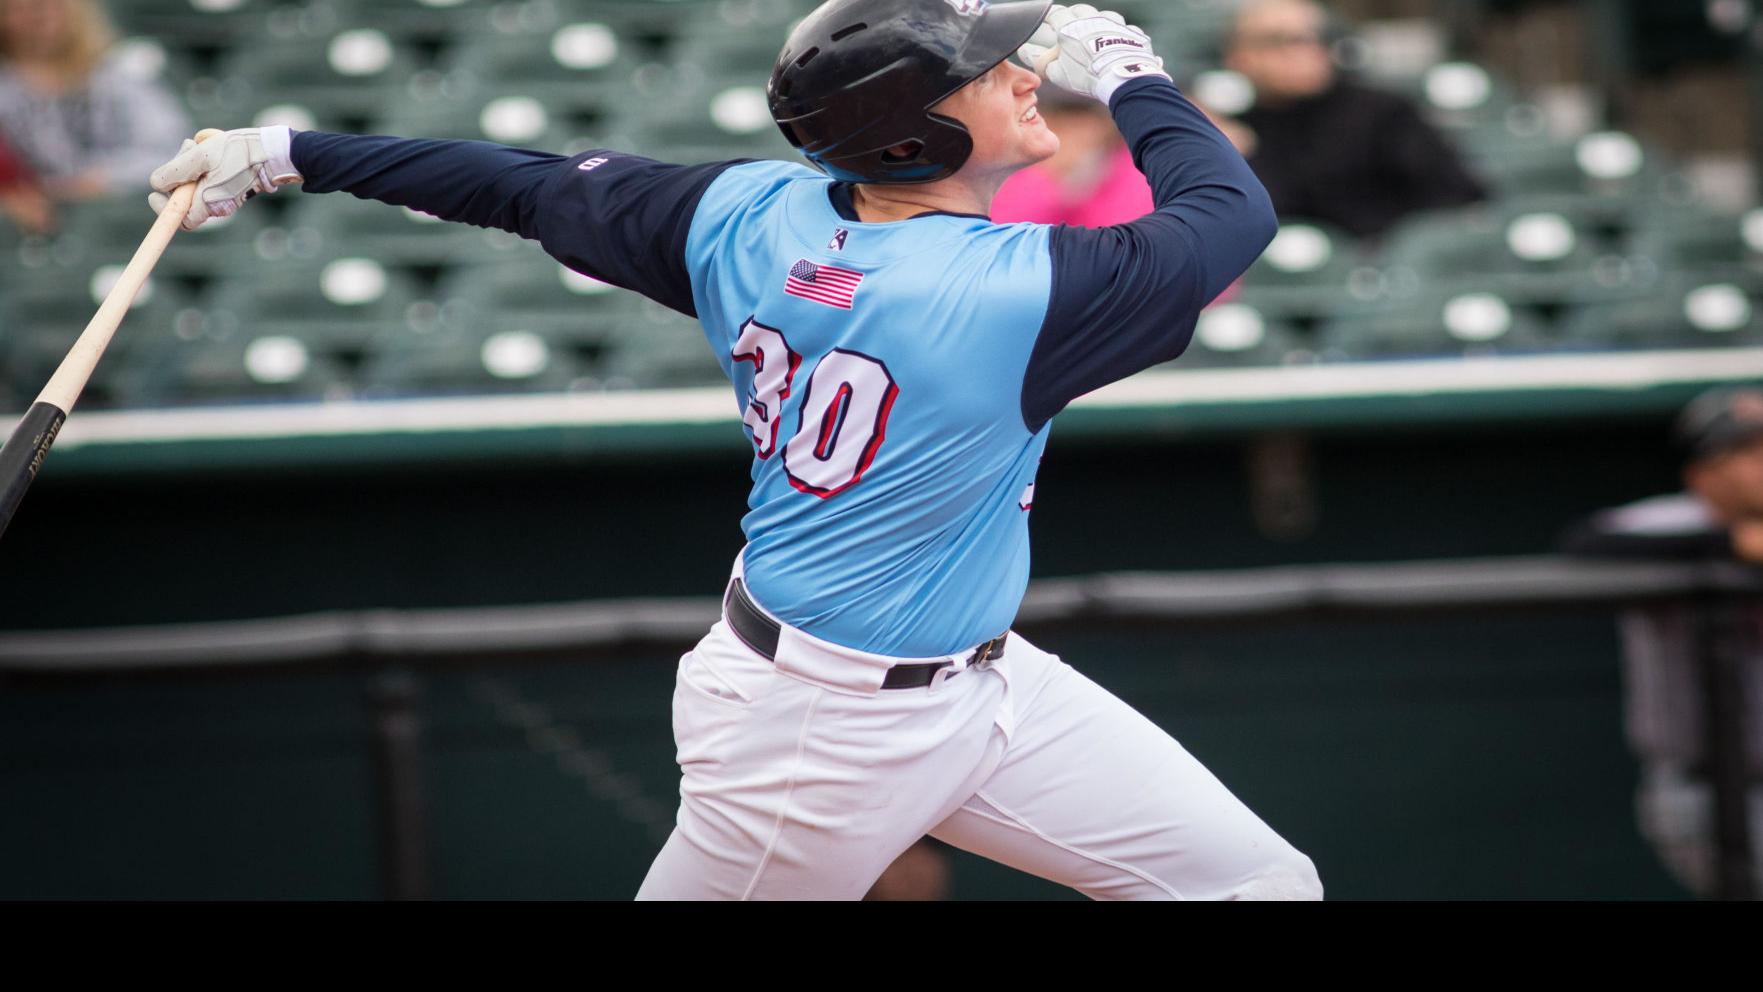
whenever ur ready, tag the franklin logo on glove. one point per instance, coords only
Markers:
(1089, 51)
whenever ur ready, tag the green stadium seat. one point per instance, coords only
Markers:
(252, 368)
(659, 348)
(1435, 323)
(557, 63)
(348, 305)
(86, 233)
(338, 223)
(1305, 254)
(1513, 239)
(345, 76)
(585, 314)
(106, 231)
(213, 22)
(517, 119)
(1239, 334)
(46, 316)
(430, 18)
(1696, 309)
(291, 333)
(1698, 238)
(512, 356)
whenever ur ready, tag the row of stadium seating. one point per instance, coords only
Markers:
(358, 325)
(1537, 234)
(1592, 243)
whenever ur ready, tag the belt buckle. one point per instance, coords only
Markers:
(986, 653)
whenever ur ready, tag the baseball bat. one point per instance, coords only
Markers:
(22, 456)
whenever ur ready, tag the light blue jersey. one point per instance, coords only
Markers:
(879, 371)
(895, 379)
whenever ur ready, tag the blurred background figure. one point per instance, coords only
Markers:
(1326, 147)
(1718, 516)
(79, 121)
(1090, 182)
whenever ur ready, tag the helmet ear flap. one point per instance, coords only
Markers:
(947, 142)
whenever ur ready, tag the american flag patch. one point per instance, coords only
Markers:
(822, 283)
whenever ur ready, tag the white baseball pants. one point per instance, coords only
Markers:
(801, 779)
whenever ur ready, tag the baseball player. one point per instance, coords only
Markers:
(897, 360)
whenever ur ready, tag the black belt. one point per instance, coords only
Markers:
(759, 632)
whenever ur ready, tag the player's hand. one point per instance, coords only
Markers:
(1089, 51)
(229, 168)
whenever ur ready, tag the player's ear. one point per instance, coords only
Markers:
(904, 152)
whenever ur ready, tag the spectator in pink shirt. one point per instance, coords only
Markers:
(1090, 182)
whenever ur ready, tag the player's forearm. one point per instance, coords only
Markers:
(473, 182)
(1197, 177)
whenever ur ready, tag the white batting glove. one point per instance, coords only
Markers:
(1089, 51)
(231, 167)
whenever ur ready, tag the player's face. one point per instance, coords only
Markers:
(1000, 113)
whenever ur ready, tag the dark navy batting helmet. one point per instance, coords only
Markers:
(857, 78)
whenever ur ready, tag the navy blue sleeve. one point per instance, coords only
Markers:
(1126, 297)
(619, 218)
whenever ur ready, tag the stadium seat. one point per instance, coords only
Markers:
(584, 313)
(1434, 323)
(338, 223)
(45, 317)
(557, 62)
(337, 313)
(1305, 254)
(339, 81)
(1235, 333)
(1698, 237)
(301, 332)
(1512, 239)
(217, 22)
(516, 119)
(1691, 309)
(510, 356)
(251, 368)
(659, 348)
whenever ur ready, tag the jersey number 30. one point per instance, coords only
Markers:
(844, 411)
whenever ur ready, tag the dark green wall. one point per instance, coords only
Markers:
(1421, 759)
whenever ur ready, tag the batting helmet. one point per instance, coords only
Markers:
(858, 78)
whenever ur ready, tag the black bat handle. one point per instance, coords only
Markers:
(23, 455)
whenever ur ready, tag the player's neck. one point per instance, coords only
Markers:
(878, 204)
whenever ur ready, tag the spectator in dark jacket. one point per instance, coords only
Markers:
(1325, 147)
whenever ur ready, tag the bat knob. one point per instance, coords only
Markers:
(208, 132)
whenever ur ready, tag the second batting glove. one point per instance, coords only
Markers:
(1089, 51)
(230, 167)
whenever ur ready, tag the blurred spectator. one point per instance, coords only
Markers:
(1718, 517)
(82, 124)
(1325, 147)
(1091, 181)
